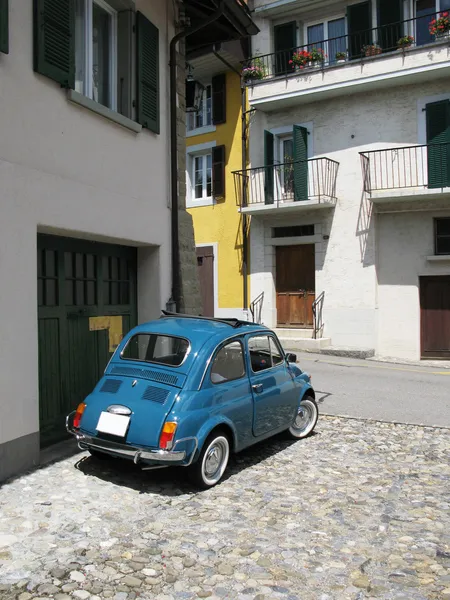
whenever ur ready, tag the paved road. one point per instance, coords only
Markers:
(358, 511)
(375, 390)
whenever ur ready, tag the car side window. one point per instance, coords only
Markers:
(277, 355)
(228, 363)
(259, 350)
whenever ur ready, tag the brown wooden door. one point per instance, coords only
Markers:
(435, 316)
(205, 265)
(295, 285)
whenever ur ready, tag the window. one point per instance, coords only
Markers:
(293, 231)
(202, 118)
(228, 363)
(333, 32)
(201, 176)
(96, 51)
(264, 353)
(160, 349)
(442, 236)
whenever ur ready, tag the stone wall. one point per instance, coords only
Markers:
(190, 302)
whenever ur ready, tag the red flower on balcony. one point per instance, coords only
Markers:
(440, 25)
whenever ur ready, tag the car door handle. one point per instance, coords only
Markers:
(257, 388)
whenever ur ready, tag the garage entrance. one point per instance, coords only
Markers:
(86, 303)
(435, 316)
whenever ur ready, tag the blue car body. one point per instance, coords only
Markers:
(252, 407)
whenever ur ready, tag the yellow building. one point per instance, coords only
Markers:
(214, 151)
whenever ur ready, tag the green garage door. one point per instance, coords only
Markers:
(86, 303)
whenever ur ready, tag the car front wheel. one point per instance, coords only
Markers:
(208, 470)
(306, 418)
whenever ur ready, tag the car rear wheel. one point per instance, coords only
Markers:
(306, 418)
(208, 470)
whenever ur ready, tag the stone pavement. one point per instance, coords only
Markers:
(360, 510)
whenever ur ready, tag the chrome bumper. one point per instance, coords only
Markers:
(137, 454)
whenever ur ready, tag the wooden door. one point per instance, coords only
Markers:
(86, 303)
(205, 265)
(435, 316)
(295, 285)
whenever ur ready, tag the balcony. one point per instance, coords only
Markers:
(288, 187)
(362, 61)
(412, 177)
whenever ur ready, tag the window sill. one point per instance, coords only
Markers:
(103, 111)
(202, 202)
(439, 258)
(201, 131)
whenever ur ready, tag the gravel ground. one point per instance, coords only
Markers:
(359, 510)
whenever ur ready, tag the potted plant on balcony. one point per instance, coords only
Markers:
(341, 57)
(300, 59)
(318, 57)
(254, 70)
(405, 42)
(371, 50)
(440, 27)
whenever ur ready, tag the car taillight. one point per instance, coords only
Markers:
(78, 415)
(167, 435)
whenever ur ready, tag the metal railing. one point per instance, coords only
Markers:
(284, 183)
(317, 309)
(256, 308)
(425, 166)
(355, 46)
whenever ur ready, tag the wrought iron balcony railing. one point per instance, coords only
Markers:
(354, 46)
(426, 166)
(286, 183)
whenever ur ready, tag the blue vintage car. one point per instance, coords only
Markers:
(188, 391)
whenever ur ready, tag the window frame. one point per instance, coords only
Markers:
(88, 84)
(191, 153)
(272, 366)
(436, 237)
(204, 170)
(216, 353)
(191, 127)
(325, 23)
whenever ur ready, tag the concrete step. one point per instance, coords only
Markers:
(304, 344)
(294, 333)
(348, 352)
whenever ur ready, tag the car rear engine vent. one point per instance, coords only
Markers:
(111, 386)
(146, 374)
(155, 394)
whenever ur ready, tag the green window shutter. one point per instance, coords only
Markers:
(4, 27)
(300, 168)
(438, 133)
(54, 40)
(269, 169)
(218, 171)
(284, 40)
(219, 99)
(147, 73)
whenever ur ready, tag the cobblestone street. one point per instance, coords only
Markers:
(359, 510)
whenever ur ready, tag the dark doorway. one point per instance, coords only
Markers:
(205, 265)
(390, 17)
(359, 27)
(435, 316)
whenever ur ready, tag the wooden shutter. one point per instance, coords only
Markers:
(147, 73)
(219, 99)
(268, 163)
(438, 133)
(54, 40)
(4, 27)
(218, 171)
(285, 40)
(300, 168)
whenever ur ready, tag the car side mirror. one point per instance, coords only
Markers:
(291, 357)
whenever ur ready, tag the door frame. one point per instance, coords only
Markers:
(215, 247)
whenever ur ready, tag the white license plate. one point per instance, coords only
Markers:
(113, 424)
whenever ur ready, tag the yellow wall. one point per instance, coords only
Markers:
(221, 222)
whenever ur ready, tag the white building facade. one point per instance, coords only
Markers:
(84, 199)
(349, 183)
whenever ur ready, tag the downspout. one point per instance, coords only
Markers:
(176, 287)
(244, 183)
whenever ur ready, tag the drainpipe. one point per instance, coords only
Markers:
(176, 287)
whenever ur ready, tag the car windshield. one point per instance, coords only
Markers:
(155, 348)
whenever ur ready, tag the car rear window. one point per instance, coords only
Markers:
(155, 348)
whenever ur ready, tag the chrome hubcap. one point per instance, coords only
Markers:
(304, 417)
(215, 460)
